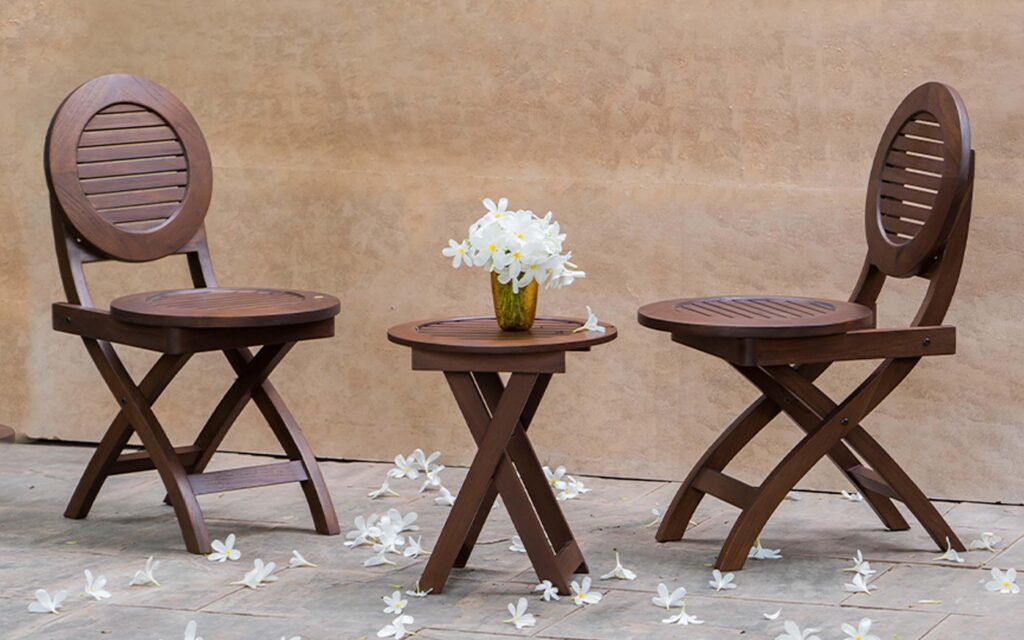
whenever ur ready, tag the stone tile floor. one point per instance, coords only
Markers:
(342, 600)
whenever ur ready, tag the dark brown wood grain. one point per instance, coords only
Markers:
(130, 180)
(918, 216)
(481, 335)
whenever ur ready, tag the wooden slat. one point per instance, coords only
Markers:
(866, 344)
(139, 214)
(902, 176)
(899, 210)
(133, 198)
(124, 120)
(739, 494)
(263, 475)
(870, 479)
(125, 136)
(899, 192)
(569, 558)
(901, 159)
(134, 183)
(900, 226)
(131, 167)
(922, 130)
(140, 460)
(130, 151)
(122, 108)
(921, 146)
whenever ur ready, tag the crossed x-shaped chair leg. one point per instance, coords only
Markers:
(506, 464)
(181, 468)
(827, 425)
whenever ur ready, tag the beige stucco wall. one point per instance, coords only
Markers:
(686, 147)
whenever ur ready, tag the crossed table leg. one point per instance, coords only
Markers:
(506, 464)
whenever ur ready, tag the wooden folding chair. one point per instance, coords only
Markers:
(130, 180)
(917, 216)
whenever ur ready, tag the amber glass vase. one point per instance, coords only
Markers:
(514, 311)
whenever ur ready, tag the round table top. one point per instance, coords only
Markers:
(756, 316)
(481, 334)
(224, 308)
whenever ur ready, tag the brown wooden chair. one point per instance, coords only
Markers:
(130, 180)
(917, 216)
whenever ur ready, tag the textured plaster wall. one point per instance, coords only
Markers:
(687, 148)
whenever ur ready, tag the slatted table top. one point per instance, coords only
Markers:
(756, 316)
(481, 335)
(225, 308)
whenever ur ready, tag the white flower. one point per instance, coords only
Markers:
(950, 554)
(433, 480)
(658, 517)
(517, 545)
(582, 594)
(414, 549)
(458, 252)
(45, 604)
(393, 520)
(862, 632)
(389, 542)
(757, 552)
(396, 603)
(426, 463)
(720, 582)
(1003, 582)
(396, 629)
(858, 585)
(365, 532)
(568, 492)
(619, 572)
(378, 559)
(682, 618)
(987, 542)
(550, 591)
(794, 496)
(578, 485)
(772, 616)
(417, 592)
(385, 490)
(444, 498)
(590, 325)
(224, 550)
(666, 599)
(793, 632)
(297, 561)
(145, 576)
(852, 497)
(190, 631)
(258, 576)
(404, 468)
(95, 587)
(860, 565)
(555, 477)
(495, 211)
(519, 616)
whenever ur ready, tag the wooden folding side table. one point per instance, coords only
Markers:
(471, 352)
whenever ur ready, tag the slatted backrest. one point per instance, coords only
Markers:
(919, 179)
(128, 168)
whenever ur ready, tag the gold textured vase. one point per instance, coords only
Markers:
(514, 311)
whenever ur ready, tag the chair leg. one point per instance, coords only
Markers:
(117, 436)
(295, 446)
(161, 452)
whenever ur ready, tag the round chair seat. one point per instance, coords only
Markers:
(224, 308)
(756, 316)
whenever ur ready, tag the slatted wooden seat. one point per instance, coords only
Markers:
(130, 180)
(917, 217)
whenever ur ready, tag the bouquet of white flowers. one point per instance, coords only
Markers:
(519, 246)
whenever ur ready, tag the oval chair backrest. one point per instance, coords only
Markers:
(128, 167)
(918, 180)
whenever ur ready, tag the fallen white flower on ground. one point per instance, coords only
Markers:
(794, 496)
(772, 616)
(190, 631)
(417, 592)
(433, 480)
(378, 559)
(666, 599)
(658, 516)
(426, 463)
(388, 542)
(682, 618)
(555, 477)
(258, 576)
(720, 581)
(95, 587)
(404, 468)
(396, 629)
(297, 561)
(590, 324)
(385, 490)
(45, 603)
(145, 576)
(950, 554)
(1002, 581)
(393, 520)
(858, 585)
(852, 497)
(987, 542)
(862, 632)
(860, 565)
(517, 545)
(519, 616)
(445, 498)
(414, 548)
(224, 550)
(395, 604)
(582, 593)
(550, 591)
(793, 632)
(619, 572)
(365, 532)
(757, 552)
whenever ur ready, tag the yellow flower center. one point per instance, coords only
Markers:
(1006, 584)
(461, 251)
(496, 215)
(517, 255)
(492, 247)
(519, 235)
